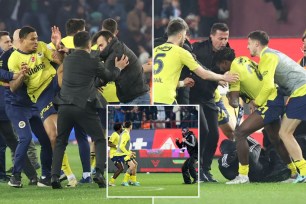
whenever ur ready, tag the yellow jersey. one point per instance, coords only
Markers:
(250, 79)
(169, 60)
(41, 71)
(123, 144)
(217, 96)
(114, 139)
(110, 90)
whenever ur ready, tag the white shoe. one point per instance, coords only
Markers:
(240, 179)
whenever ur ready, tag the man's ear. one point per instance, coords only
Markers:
(109, 40)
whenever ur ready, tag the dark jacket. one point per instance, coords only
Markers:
(78, 87)
(203, 90)
(191, 143)
(131, 82)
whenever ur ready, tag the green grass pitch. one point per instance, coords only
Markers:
(151, 184)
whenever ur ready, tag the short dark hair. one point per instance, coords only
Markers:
(110, 25)
(117, 126)
(304, 36)
(259, 35)
(24, 31)
(4, 33)
(74, 25)
(127, 124)
(226, 53)
(105, 33)
(81, 39)
(218, 26)
(176, 26)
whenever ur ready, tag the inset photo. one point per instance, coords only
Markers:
(153, 151)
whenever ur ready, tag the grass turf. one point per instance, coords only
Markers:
(256, 193)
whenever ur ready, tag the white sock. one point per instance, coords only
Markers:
(86, 174)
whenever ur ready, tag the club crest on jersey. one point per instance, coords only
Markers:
(21, 124)
(40, 54)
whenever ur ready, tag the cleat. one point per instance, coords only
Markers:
(135, 183)
(87, 180)
(240, 179)
(72, 183)
(111, 184)
(125, 184)
(44, 182)
(99, 179)
(300, 179)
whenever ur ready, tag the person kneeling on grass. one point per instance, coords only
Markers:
(190, 142)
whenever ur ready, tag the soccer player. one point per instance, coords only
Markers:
(169, 59)
(124, 155)
(113, 143)
(40, 80)
(267, 115)
(188, 169)
(25, 119)
(224, 121)
(278, 68)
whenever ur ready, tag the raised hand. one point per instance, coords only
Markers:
(56, 37)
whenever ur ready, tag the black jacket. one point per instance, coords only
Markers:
(78, 87)
(131, 82)
(203, 90)
(191, 143)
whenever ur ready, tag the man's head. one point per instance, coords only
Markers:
(102, 39)
(224, 58)
(82, 40)
(219, 34)
(5, 41)
(176, 30)
(111, 25)
(128, 125)
(118, 127)
(185, 131)
(257, 40)
(28, 39)
(74, 26)
(16, 39)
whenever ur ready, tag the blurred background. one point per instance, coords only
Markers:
(134, 18)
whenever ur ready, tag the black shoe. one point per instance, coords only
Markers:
(33, 181)
(208, 177)
(5, 178)
(187, 182)
(55, 182)
(99, 179)
(15, 181)
(44, 182)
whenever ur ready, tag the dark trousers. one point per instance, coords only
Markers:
(84, 149)
(188, 169)
(25, 120)
(209, 136)
(10, 139)
(88, 120)
(2, 155)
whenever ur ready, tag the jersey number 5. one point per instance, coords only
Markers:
(159, 62)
